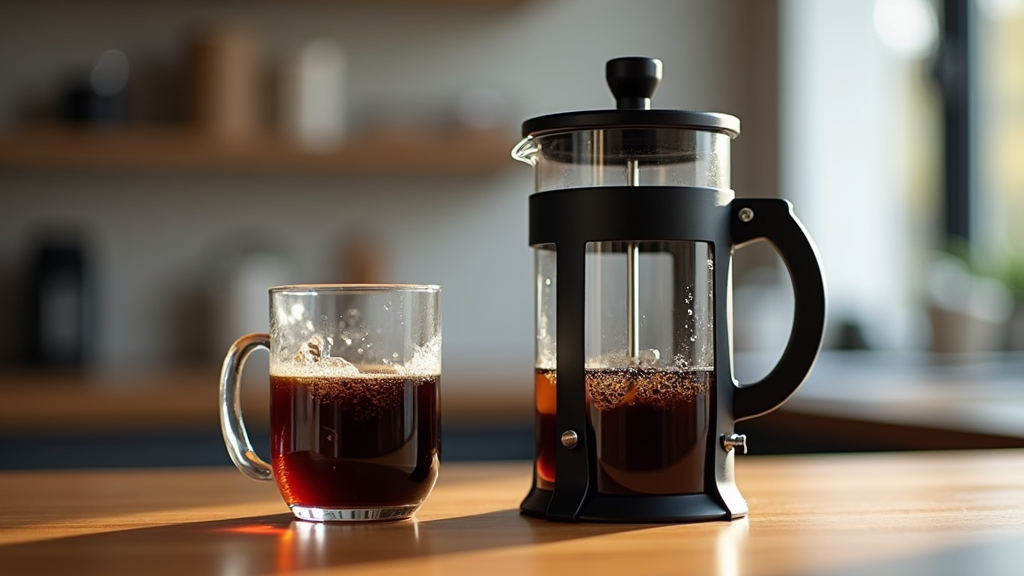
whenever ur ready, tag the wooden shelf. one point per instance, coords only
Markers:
(33, 402)
(394, 151)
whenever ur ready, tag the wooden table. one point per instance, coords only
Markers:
(902, 513)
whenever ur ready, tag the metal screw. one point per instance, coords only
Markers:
(733, 441)
(570, 439)
(746, 214)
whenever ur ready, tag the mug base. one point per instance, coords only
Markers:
(315, 514)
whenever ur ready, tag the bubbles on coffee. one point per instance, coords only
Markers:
(617, 387)
(647, 358)
(312, 350)
(322, 356)
(425, 359)
(365, 390)
(350, 332)
(314, 358)
(617, 379)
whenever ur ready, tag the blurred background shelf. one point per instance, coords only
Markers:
(169, 417)
(55, 401)
(852, 402)
(168, 147)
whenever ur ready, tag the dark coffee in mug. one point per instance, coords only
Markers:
(351, 441)
(355, 371)
(651, 428)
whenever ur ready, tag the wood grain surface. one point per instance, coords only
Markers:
(900, 513)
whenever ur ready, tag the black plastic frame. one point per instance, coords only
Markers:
(639, 119)
(956, 74)
(570, 219)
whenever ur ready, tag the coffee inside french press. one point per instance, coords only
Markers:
(633, 224)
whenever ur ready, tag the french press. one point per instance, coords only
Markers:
(633, 225)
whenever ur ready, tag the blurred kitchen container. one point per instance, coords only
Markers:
(238, 291)
(968, 313)
(100, 98)
(224, 82)
(311, 96)
(59, 302)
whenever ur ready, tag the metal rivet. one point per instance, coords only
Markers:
(746, 214)
(733, 441)
(570, 439)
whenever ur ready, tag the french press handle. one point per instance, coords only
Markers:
(772, 219)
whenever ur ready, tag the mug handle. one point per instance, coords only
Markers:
(772, 219)
(231, 424)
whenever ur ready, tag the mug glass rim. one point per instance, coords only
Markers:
(314, 289)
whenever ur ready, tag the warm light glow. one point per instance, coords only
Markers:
(729, 547)
(286, 552)
(257, 529)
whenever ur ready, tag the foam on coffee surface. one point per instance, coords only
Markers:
(613, 387)
(314, 360)
(364, 391)
(361, 395)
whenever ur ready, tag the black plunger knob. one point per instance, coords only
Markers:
(633, 81)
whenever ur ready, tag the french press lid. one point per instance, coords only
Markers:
(632, 81)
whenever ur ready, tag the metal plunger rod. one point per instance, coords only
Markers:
(633, 275)
(633, 300)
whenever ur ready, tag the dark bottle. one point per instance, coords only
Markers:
(59, 305)
(100, 98)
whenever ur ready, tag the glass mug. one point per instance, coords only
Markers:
(355, 372)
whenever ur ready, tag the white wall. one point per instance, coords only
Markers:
(844, 160)
(153, 231)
